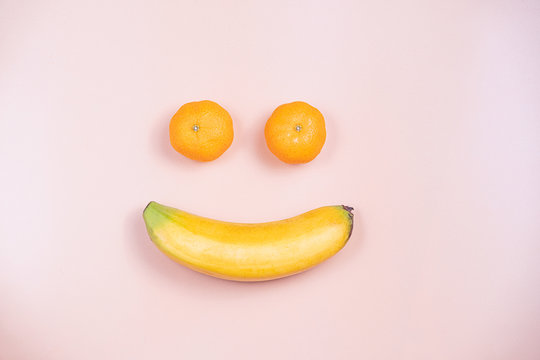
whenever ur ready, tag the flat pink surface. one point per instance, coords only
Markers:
(433, 119)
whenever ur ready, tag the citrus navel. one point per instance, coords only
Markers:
(201, 130)
(295, 132)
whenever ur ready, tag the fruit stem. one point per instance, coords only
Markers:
(348, 208)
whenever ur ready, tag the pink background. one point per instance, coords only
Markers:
(433, 119)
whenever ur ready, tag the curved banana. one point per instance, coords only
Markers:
(249, 252)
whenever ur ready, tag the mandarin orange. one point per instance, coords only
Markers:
(201, 130)
(295, 132)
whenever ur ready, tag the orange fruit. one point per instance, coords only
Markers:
(201, 130)
(295, 132)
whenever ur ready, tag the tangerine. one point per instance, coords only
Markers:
(295, 132)
(201, 130)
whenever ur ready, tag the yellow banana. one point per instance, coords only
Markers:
(249, 252)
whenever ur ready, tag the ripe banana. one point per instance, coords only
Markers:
(249, 252)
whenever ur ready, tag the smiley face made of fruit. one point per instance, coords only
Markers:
(295, 133)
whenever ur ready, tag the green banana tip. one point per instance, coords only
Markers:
(149, 211)
(147, 206)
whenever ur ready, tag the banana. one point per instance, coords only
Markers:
(249, 252)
